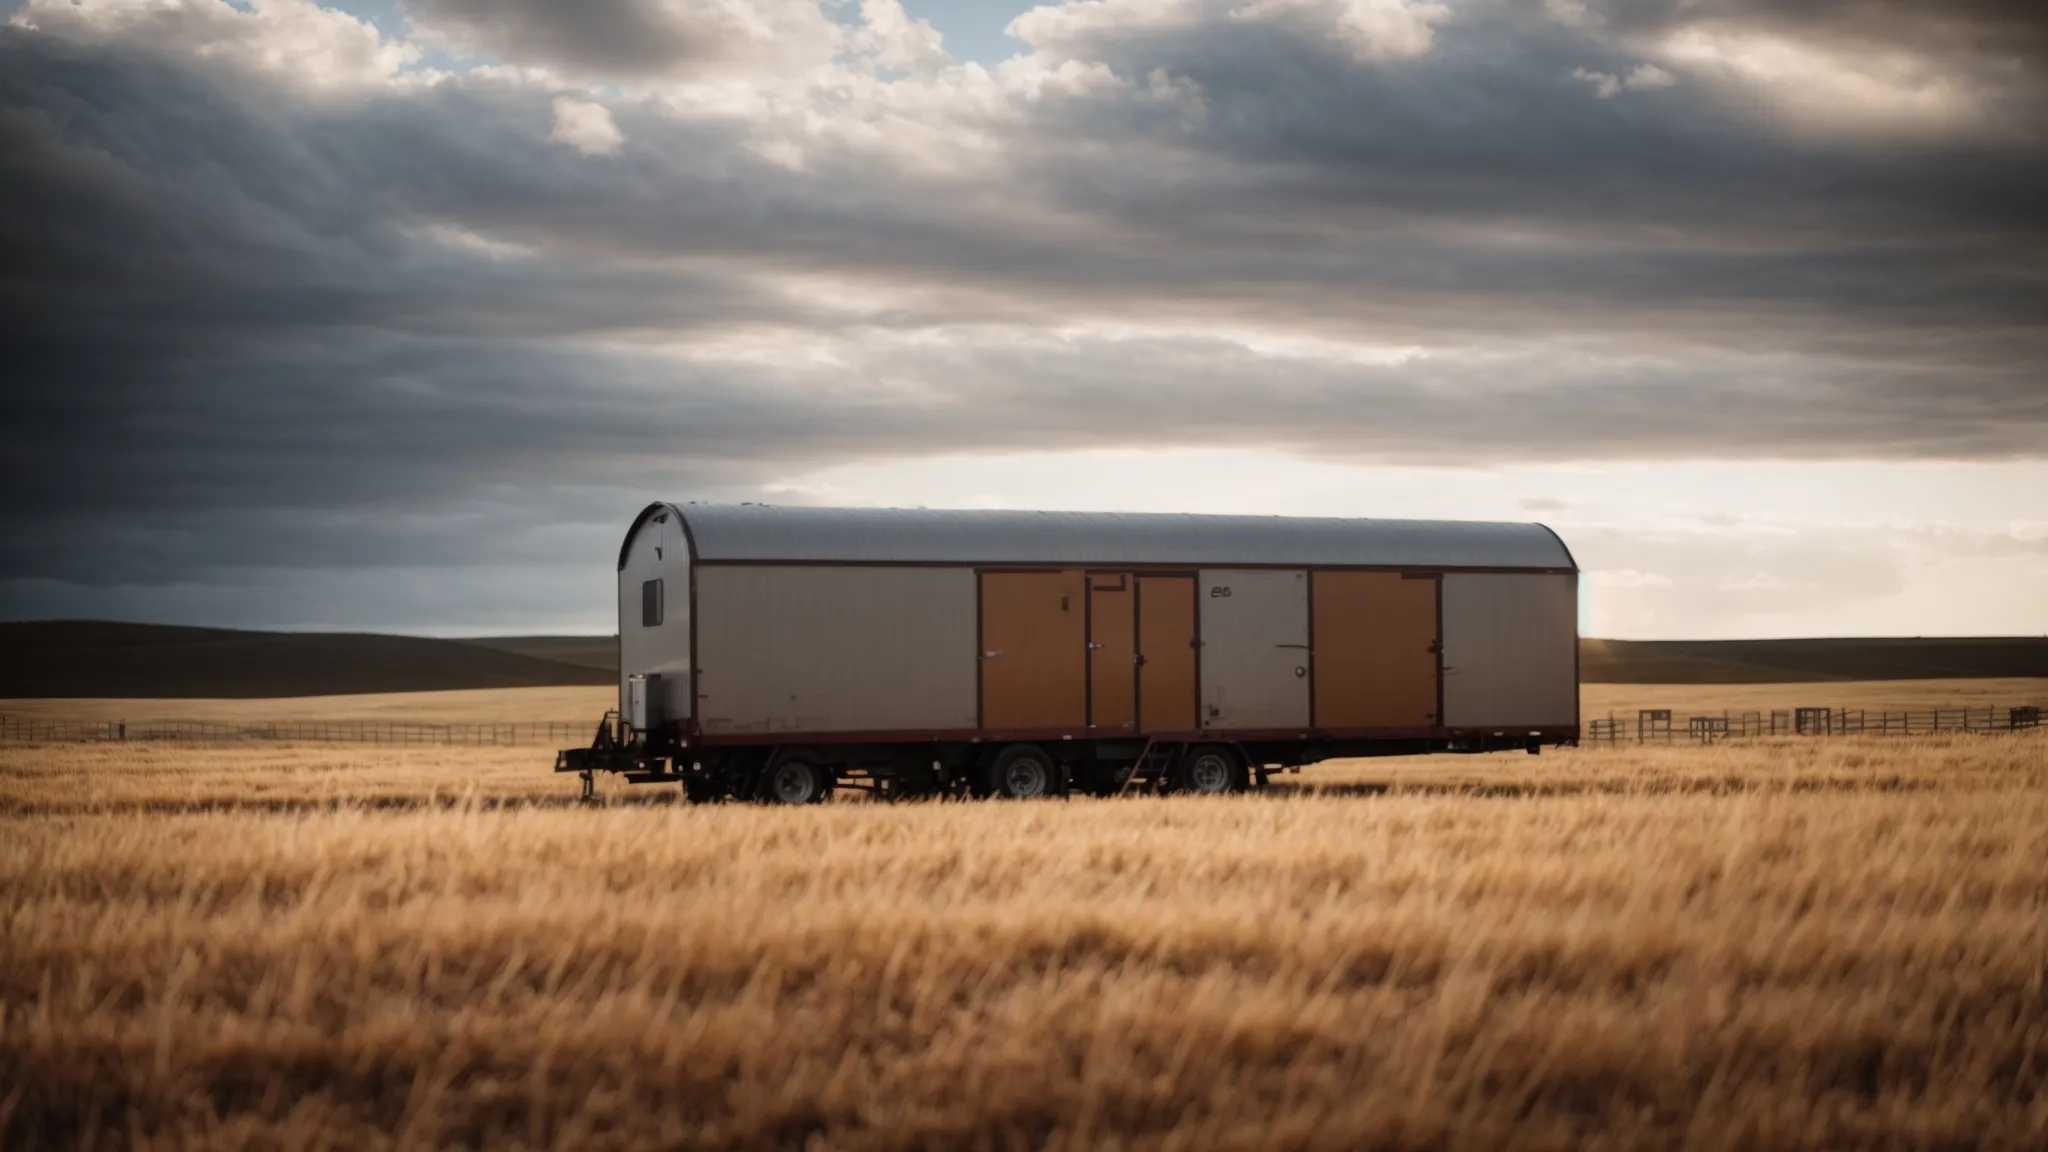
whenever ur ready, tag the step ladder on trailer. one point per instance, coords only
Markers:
(1153, 770)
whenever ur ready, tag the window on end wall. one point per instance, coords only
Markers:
(650, 604)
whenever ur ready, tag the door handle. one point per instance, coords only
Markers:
(990, 655)
(1093, 644)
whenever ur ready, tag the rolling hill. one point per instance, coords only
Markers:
(100, 658)
(586, 651)
(1808, 661)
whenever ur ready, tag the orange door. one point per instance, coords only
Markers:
(1112, 652)
(1375, 649)
(1166, 653)
(1033, 650)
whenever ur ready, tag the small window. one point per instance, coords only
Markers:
(650, 604)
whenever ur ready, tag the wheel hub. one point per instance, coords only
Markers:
(794, 783)
(1026, 778)
(1210, 773)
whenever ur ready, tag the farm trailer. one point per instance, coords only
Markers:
(774, 653)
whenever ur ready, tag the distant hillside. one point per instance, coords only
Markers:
(98, 658)
(588, 651)
(1805, 661)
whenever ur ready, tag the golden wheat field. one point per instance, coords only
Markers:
(1794, 943)
(1872, 695)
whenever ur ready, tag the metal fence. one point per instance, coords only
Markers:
(551, 733)
(1660, 726)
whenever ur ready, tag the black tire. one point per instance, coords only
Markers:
(1023, 772)
(702, 792)
(1209, 770)
(796, 780)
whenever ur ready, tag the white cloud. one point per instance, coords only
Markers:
(1816, 87)
(1052, 26)
(1370, 29)
(296, 42)
(1571, 13)
(1649, 76)
(586, 127)
(892, 39)
(1606, 84)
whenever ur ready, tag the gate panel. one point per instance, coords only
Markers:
(1033, 650)
(1376, 650)
(1254, 649)
(1112, 651)
(1166, 653)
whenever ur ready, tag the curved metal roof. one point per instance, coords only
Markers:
(917, 535)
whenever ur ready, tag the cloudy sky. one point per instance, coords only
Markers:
(390, 314)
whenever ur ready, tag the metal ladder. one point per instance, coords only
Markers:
(1154, 766)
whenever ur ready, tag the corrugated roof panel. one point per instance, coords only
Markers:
(918, 535)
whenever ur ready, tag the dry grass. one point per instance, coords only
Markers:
(1947, 763)
(1812, 943)
(1873, 695)
(171, 776)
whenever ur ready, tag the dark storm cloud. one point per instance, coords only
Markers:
(248, 329)
(626, 37)
(1488, 127)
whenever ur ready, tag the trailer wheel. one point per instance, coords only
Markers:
(795, 780)
(1022, 772)
(1209, 770)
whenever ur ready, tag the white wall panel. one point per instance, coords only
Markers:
(1254, 632)
(659, 551)
(835, 649)
(1510, 650)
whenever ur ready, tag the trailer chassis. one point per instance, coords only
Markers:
(969, 768)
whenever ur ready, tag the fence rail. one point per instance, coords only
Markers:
(556, 733)
(1659, 726)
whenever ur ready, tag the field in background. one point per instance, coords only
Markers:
(1623, 700)
(584, 704)
(1779, 943)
